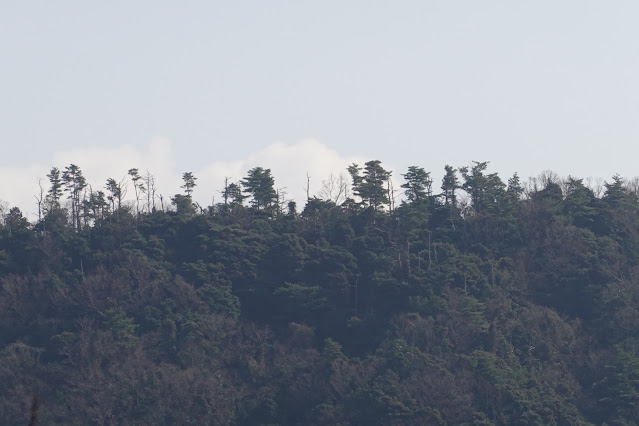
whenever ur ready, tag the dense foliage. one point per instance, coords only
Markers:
(487, 303)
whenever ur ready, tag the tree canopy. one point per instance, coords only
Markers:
(483, 303)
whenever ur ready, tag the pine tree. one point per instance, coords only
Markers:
(55, 191)
(370, 185)
(138, 187)
(260, 185)
(115, 193)
(189, 183)
(418, 184)
(74, 183)
(450, 183)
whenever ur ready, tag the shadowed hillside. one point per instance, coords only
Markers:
(474, 301)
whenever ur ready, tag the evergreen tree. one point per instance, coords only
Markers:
(579, 203)
(485, 190)
(260, 185)
(74, 183)
(233, 194)
(116, 193)
(418, 184)
(184, 206)
(616, 192)
(138, 187)
(370, 186)
(450, 184)
(514, 186)
(55, 190)
(189, 183)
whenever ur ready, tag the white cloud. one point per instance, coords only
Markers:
(289, 165)
(19, 186)
(99, 164)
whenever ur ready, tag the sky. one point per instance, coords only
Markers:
(300, 87)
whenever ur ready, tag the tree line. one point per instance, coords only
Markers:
(371, 184)
(474, 300)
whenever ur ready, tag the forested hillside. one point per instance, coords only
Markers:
(476, 300)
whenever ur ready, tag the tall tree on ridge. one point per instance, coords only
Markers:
(450, 183)
(232, 193)
(55, 191)
(74, 183)
(418, 184)
(150, 192)
(260, 185)
(137, 187)
(369, 186)
(485, 190)
(189, 183)
(116, 193)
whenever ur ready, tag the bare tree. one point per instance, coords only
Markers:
(335, 188)
(150, 192)
(596, 185)
(547, 177)
(632, 185)
(281, 200)
(40, 200)
(392, 194)
(4, 211)
(225, 191)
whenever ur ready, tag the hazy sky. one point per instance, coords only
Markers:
(216, 87)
